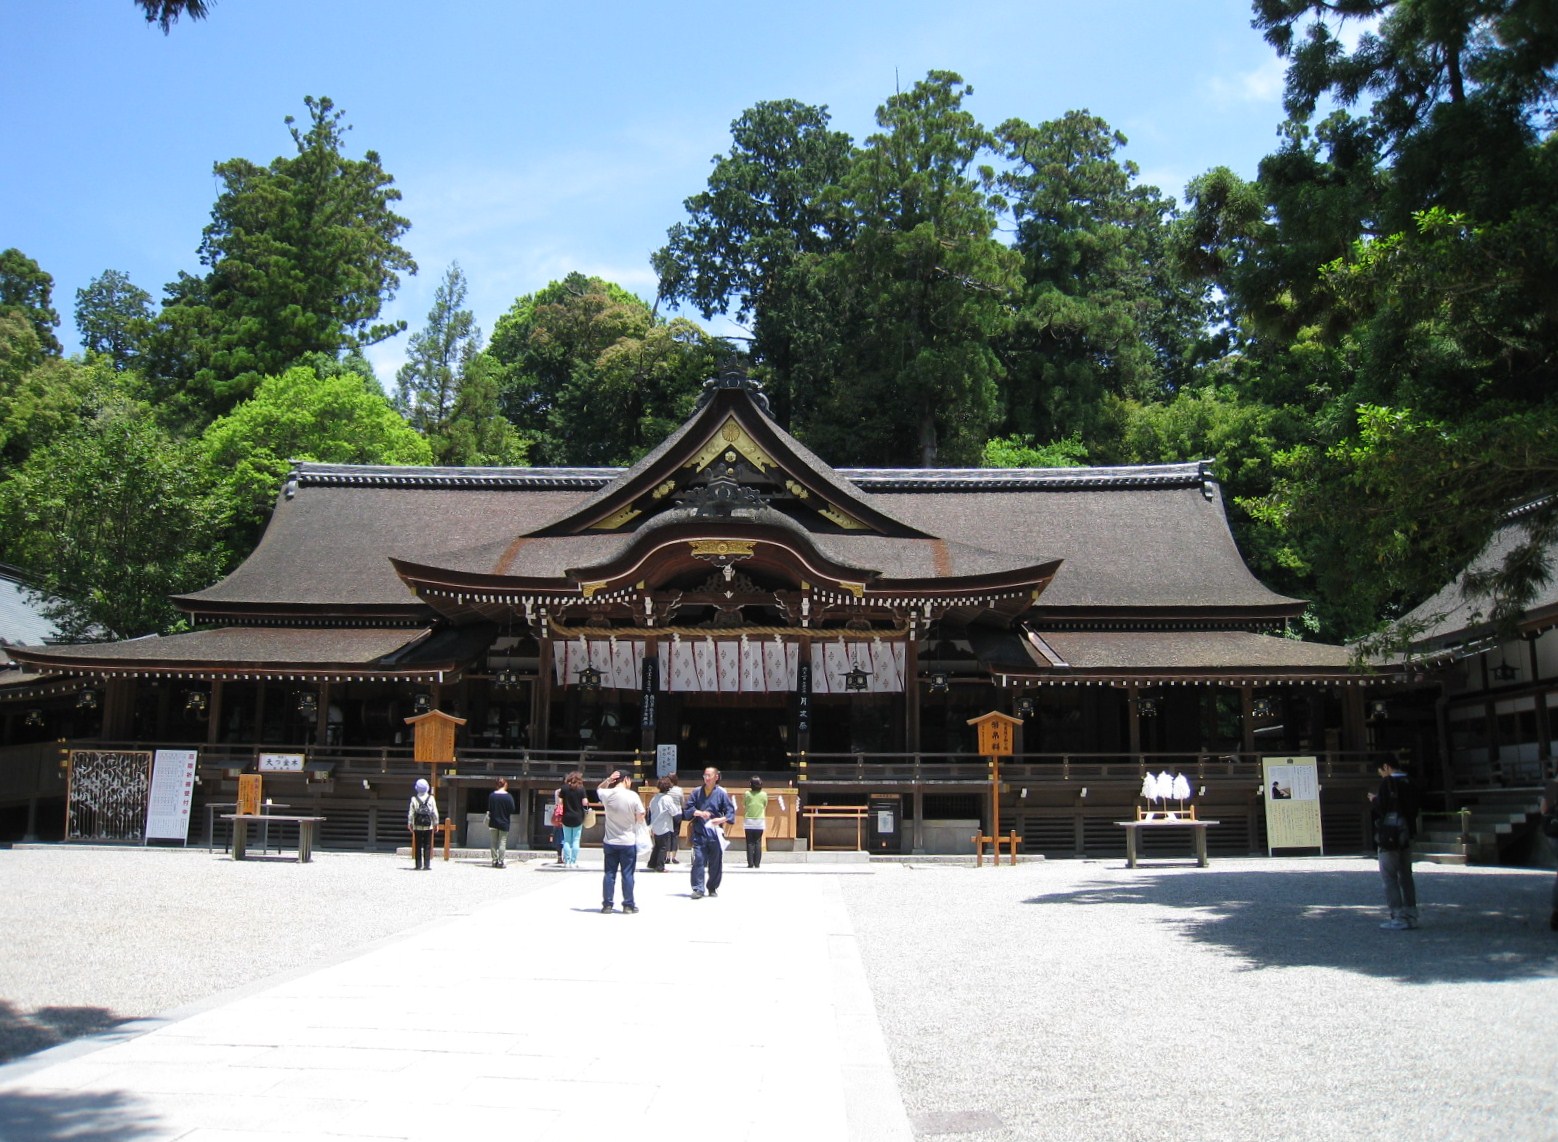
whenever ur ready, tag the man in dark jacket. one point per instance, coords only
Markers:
(1395, 824)
(709, 809)
(500, 811)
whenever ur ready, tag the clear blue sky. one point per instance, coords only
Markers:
(533, 139)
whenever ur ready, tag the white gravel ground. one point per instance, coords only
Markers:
(1255, 999)
(97, 936)
(1064, 1000)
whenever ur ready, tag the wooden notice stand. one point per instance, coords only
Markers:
(995, 742)
(433, 745)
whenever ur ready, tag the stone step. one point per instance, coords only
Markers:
(1450, 836)
(1443, 858)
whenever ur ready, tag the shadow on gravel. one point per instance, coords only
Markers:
(24, 1032)
(1488, 928)
(99, 1117)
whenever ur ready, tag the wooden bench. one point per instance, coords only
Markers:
(1133, 830)
(308, 829)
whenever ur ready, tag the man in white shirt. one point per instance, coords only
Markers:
(623, 811)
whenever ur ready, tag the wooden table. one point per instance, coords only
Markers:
(857, 813)
(308, 828)
(1133, 829)
(213, 806)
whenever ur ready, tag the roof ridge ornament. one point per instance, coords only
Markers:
(732, 376)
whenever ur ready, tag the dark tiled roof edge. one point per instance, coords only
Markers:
(1188, 475)
(390, 476)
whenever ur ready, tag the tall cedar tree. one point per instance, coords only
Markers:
(765, 211)
(301, 256)
(921, 292)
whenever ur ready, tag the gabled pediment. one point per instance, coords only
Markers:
(730, 461)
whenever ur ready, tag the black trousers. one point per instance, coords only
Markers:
(422, 847)
(661, 851)
(754, 847)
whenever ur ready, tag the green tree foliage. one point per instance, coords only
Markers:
(923, 289)
(1408, 309)
(428, 384)
(166, 13)
(27, 290)
(301, 255)
(765, 212)
(113, 314)
(318, 410)
(1022, 452)
(112, 516)
(449, 390)
(477, 432)
(1102, 311)
(592, 376)
(41, 403)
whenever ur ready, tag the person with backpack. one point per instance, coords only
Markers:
(1395, 824)
(422, 819)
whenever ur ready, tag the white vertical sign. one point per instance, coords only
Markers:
(172, 791)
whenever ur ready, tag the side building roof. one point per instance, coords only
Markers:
(1453, 622)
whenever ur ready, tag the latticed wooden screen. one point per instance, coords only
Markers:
(107, 796)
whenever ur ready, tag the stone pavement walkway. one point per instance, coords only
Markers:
(536, 1017)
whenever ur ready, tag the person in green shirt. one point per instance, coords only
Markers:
(754, 814)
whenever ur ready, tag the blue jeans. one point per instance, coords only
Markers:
(622, 857)
(571, 843)
(708, 859)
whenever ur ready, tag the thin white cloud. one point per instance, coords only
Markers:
(1259, 85)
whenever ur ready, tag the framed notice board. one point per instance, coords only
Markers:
(1290, 788)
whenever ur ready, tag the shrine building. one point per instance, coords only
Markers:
(734, 598)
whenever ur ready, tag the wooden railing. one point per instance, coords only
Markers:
(1041, 768)
(864, 768)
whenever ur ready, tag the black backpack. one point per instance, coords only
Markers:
(422, 814)
(1391, 829)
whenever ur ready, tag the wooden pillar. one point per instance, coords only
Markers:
(1247, 718)
(119, 707)
(259, 710)
(214, 713)
(541, 697)
(911, 692)
(1133, 722)
(322, 714)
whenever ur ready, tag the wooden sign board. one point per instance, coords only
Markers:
(996, 733)
(434, 736)
(280, 763)
(249, 785)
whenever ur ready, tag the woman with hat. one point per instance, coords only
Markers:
(422, 819)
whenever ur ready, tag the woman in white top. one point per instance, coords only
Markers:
(665, 818)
